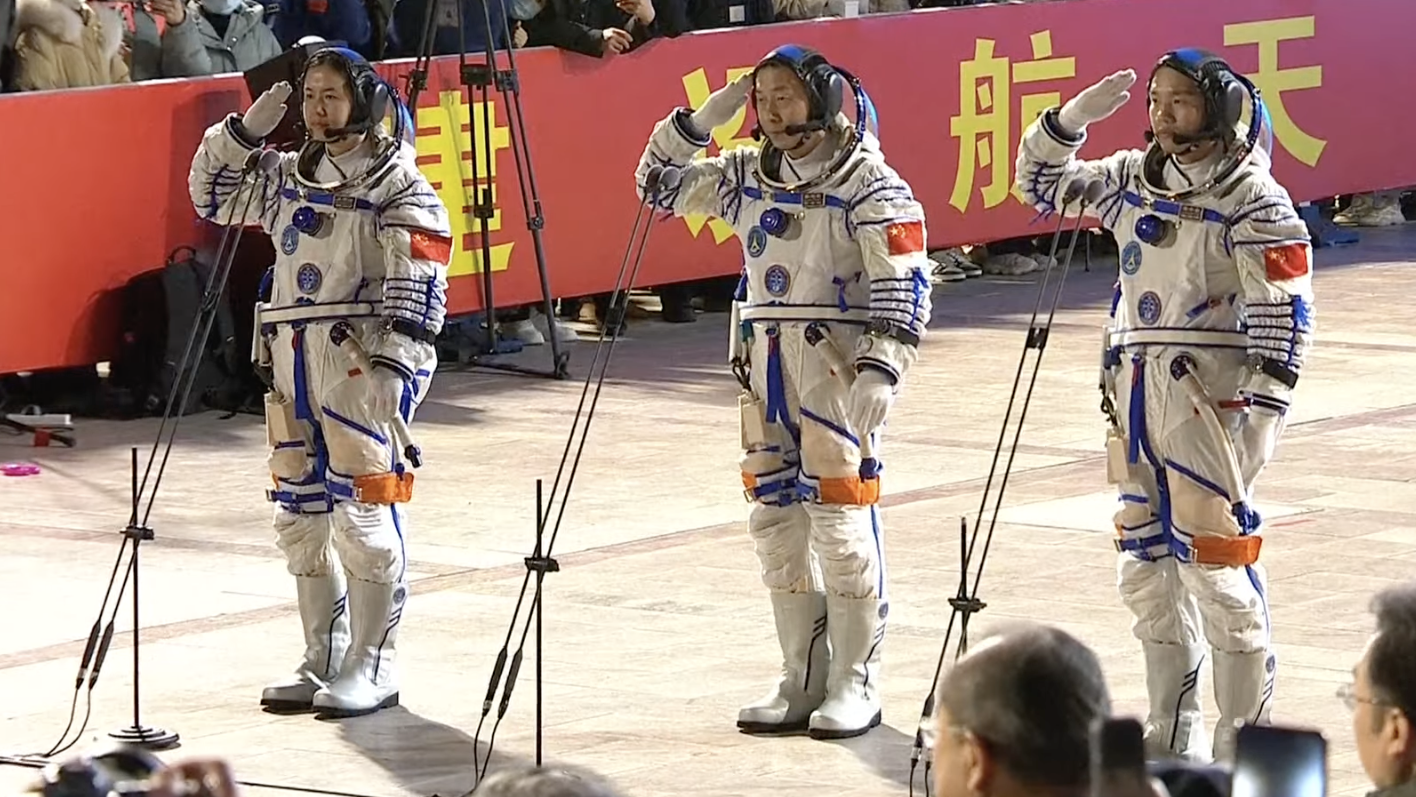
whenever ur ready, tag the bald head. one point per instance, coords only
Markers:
(1030, 693)
(545, 782)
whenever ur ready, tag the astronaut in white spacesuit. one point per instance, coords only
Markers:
(1210, 325)
(835, 267)
(361, 238)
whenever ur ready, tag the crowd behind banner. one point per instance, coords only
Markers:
(64, 44)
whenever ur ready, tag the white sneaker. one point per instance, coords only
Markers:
(1352, 214)
(525, 331)
(564, 332)
(1383, 214)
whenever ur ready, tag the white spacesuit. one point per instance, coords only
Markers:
(1211, 322)
(361, 238)
(834, 250)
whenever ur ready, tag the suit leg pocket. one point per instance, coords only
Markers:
(289, 459)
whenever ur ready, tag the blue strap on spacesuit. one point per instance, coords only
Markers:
(787, 490)
(1140, 546)
(793, 198)
(338, 201)
(1247, 518)
(302, 397)
(1137, 409)
(308, 495)
(841, 303)
(1137, 428)
(1176, 209)
(776, 410)
(783, 491)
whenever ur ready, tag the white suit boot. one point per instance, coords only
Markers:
(856, 628)
(801, 630)
(367, 680)
(1243, 690)
(1175, 725)
(326, 620)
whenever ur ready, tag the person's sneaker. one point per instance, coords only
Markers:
(563, 331)
(1385, 212)
(1352, 214)
(524, 331)
(1010, 265)
(947, 266)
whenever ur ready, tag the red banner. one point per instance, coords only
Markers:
(96, 179)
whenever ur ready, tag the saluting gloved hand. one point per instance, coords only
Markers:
(387, 386)
(723, 104)
(1096, 102)
(264, 115)
(872, 395)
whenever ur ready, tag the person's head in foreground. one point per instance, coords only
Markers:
(554, 781)
(1382, 695)
(1015, 715)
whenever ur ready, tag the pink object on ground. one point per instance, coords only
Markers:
(19, 469)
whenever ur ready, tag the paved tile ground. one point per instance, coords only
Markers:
(657, 627)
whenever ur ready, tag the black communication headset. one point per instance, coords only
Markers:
(824, 86)
(370, 92)
(1221, 88)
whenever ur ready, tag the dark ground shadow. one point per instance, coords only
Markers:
(885, 751)
(425, 757)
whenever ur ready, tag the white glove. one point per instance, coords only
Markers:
(1096, 102)
(872, 395)
(264, 115)
(1258, 434)
(386, 386)
(723, 104)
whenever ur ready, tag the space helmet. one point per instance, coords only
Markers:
(373, 98)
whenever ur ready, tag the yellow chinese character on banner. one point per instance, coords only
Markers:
(729, 136)
(457, 124)
(984, 122)
(1272, 81)
(1042, 69)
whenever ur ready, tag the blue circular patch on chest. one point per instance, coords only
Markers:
(1148, 308)
(308, 279)
(777, 281)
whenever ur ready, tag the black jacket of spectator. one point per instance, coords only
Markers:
(7, 41)
(409, 16)
(717, 14)
(579, 25)
(332, 20)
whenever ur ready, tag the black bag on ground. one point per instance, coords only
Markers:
(160, 308)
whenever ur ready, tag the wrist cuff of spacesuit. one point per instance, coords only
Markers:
(688, 131)
(886, 354)
(401, 354)
(240, 134)
(403, 371)
(1266, 395)
(1066, 139)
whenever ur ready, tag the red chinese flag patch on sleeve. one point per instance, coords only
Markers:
(423, 245)
(905, 237)
(1286, 262)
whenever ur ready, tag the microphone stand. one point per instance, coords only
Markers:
(258, 164)
(137, 734)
